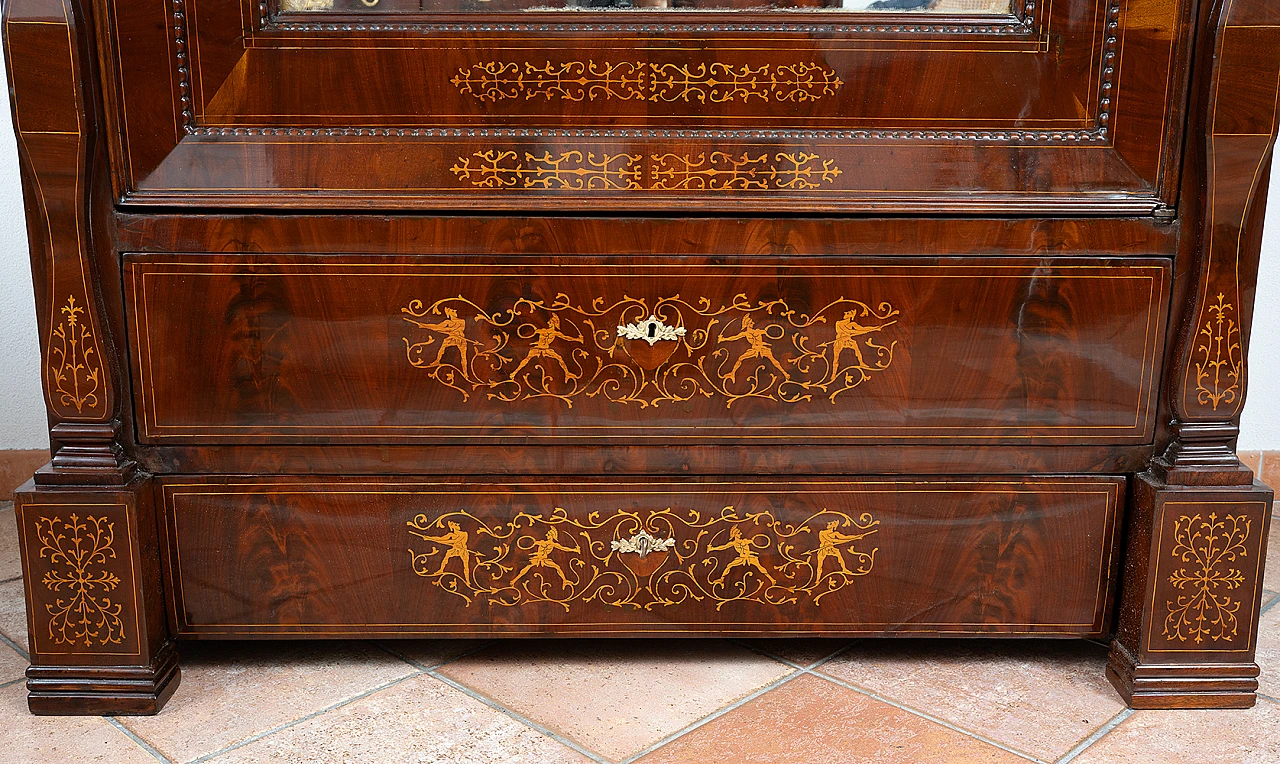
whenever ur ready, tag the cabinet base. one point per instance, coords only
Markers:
(1229, 685)
(112, 690)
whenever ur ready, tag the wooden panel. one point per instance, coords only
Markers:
(234, 349)
(1040, 109)
(330, 557)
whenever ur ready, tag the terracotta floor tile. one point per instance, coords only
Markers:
(814, 721)
(1270, 472)
(1192, 737)
(12, 665)
(10, 562)
(233, 690)
(1252, 460)
(430, 653)
(418, 720)
(1039, 697)
(1268, 652)
(13, 612)
(49, 739)
(615, 697)
(804, 651)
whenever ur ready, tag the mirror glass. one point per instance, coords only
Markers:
(949, 7)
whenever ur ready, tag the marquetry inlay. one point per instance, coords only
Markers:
(494, 81)
(574, 170)
(729, 556)
(79, 582)
(1218, 356)
(75, 375)
(1206, 605)
(559, 349)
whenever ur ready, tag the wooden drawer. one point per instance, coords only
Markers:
(294, 349)
(323, 557)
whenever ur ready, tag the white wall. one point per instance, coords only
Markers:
(1260, 423)
(22, 418)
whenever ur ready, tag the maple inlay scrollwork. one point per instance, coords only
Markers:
(568, 170)
(721, 171)
(1218, 356)
(74, 371)
(727, 557)
(1207, 610)
(742, 349)
(79, 550)
(494, 81)
(715, 171)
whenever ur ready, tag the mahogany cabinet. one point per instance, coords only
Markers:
(670, 318)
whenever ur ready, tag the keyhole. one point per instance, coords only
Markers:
(653, 330)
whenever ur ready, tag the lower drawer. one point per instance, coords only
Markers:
(867, 556)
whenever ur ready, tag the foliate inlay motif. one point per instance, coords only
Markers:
(1210, 546)
(714, 171)
(75, 374)
(1219, 360)
(760, 349)
(569, 170)
(727, 557)
(494, 81)
(721, 171)
(79, 550)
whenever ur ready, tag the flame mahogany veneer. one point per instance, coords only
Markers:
(543, 324)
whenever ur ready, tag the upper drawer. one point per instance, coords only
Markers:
(295, 349)
(1067, 106)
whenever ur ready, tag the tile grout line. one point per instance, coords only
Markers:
(11, 682)
(799, 669)
(144, 745)
(1097, 735)
(14, 645)
(1269, 605)
(423, 667)
(775, 684)
(308, 717)
(925, 715)
(516, 715)
(492, 703)
(8, 580)
(810, 670)
(793, 664)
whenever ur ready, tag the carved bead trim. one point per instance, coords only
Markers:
(989, 136)
(1106, 87)
(183, 63)
(1014, 27)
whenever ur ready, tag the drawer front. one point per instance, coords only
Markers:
(329, 557)
(261, 349)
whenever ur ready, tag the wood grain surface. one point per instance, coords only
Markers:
(332, 557)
